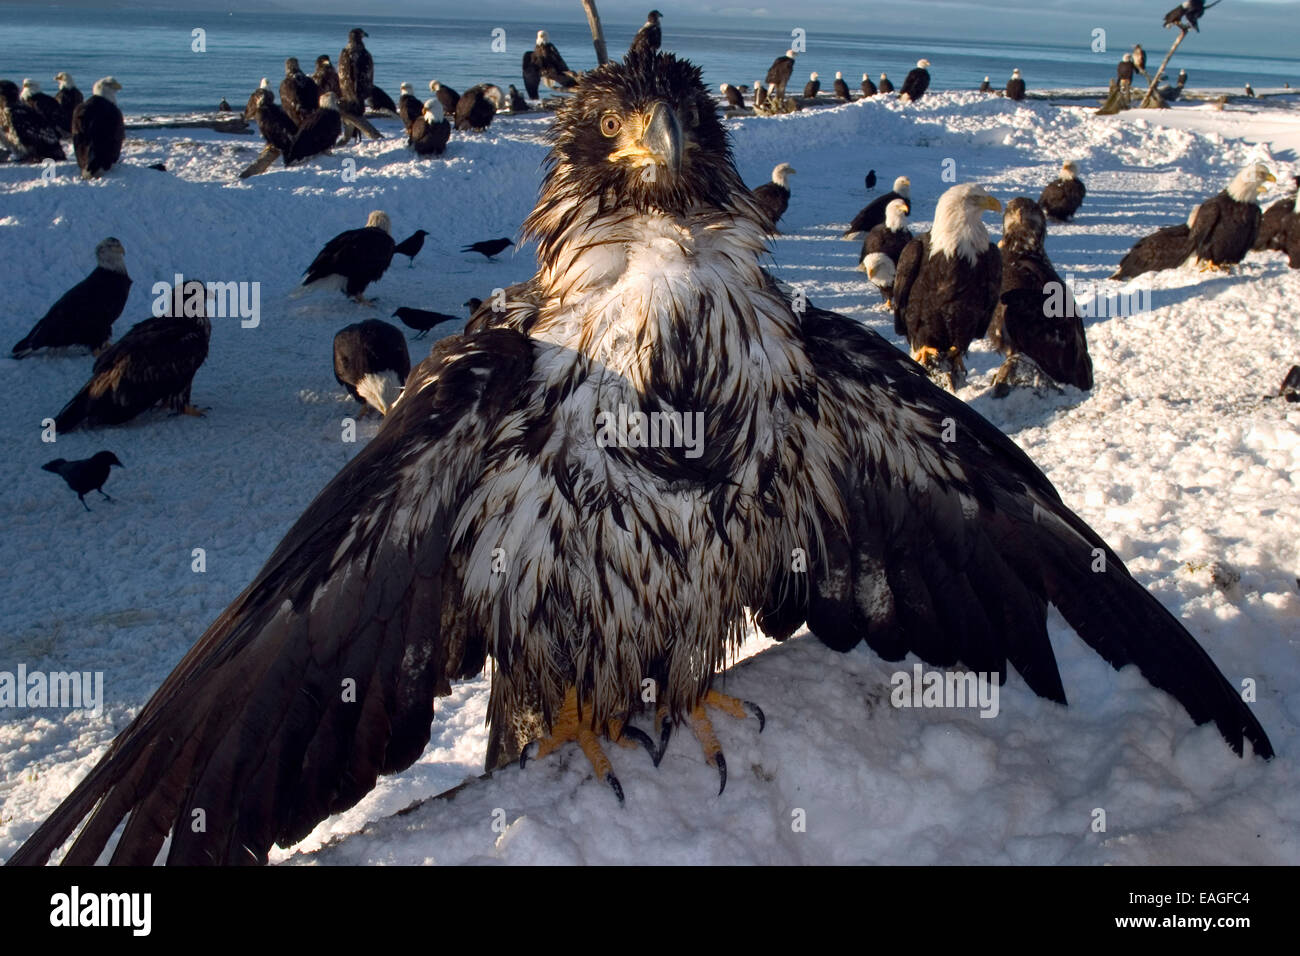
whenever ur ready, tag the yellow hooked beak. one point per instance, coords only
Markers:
(991, 204)
(658, 142)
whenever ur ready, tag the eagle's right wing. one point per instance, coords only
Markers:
(322, 674)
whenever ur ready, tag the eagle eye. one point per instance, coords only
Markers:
(693, 116)
(610, 124)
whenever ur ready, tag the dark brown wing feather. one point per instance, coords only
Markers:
(253, 726)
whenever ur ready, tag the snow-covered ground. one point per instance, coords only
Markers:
(1177, 457)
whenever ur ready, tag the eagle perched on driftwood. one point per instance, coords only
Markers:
(495, 515)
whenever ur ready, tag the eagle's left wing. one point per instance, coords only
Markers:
(954, 543)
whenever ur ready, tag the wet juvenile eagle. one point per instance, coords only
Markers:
(488, 517)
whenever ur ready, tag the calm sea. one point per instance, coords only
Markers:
(151, 54)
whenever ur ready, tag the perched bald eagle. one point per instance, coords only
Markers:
(554, 71)
(873, 214)
(46, 105)
(98, 130)
(813, 86)
(1035, 317)
(153, 364)
(882, 248)
(448, 98)
(477, 106)
(517, 103)
(947, 283)
(276, 126)
(916, 82)
(1062, 197)
(1166, 248)
(650, 35)
(760, 94)
(532, 74)
(1275, 223)
(319, 132)
(355, 258)
(1226, 225)
(84, 315)
(23, 130)
(774, 197)
(1016, 86)
(1124, 71)
(371, 362)
(326, 77)
(1140, 59)
(841, 88)
(1192, 10)
(409, 107)
(299, 94)
(733, 96)
(986, 86)
(356, 71)
(885, 85)
(68, 97)
(431, 131)
(868, 87)
(778, 75)
(622, 562)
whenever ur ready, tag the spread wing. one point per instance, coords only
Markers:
(952, 550)
(322, 674)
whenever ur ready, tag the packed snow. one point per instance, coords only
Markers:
(1179, 457)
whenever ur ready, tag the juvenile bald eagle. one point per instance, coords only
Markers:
(68, 97)
(431, 130)
(23, 130)
(476, 107)
(299, 94)
(1016, 86)
(774, 197)
(625, 562)
(326, 77)
(532, 74)
(356, 71)
(1062, 197)
(947, 283)
(916, 82)
(882, 248)
(517, 103)
(355, 258)
(1191, 10)
(98, 130)
(84, 315)
(1226, 225)
(276, 126)
(371, 362)
(650, 35)
(319, 132)
(873, 214)
(153, 364)
(1035, 317)
(778, 75)
(1275, 222)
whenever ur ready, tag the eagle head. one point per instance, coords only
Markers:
(1023, 225)
(642, 134)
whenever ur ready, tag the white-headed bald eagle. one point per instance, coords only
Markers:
(1226, 225)
(98, 130)
(916, 82)
(355, 258)
(494, 515)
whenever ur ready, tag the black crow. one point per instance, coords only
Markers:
(488, 247)
(86, 474)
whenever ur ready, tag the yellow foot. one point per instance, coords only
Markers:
(195, 412)
(568, 726)
(362, 300)
(925, 355)
(702, 727)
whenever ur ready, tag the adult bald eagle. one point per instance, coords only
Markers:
(1191, 10)
(774, 197)
(650, 35)
(1016, 86)
(476, 107)
(1124, 70)
(1035, 317)
(1226, 225)
(1166, 248)
(44, 104)
(733, 96)
(371, 362)
(841, 88)
(319, 132)
(1062, 197)
(448, 98)
(153, 364)
(882, 248)
(916, 82)
(98, 130)
(84, 315)
(431, 131)
(299, 94)
(621, 562)
(409, 107)
(778, 75)
(554, 71)
(813, 86)
(68, 97)
(326, 77)
(356, 70)
(355, 258)
(23, 130)
(986, 86)
(873, 214)
(868, 87)
(947, 283)
(885, 85)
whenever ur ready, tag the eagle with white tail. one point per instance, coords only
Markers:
(486, 519)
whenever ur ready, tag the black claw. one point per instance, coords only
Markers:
(721, 762)
(641, 737)
(665, 734)
(755, 711)
(614, 785)
(528, 751)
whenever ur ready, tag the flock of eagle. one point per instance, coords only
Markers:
(820, 436)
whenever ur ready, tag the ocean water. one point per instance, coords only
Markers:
(151, 54)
